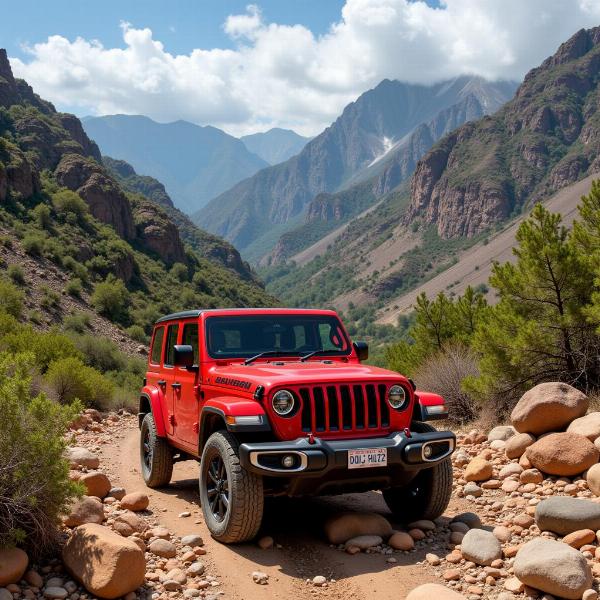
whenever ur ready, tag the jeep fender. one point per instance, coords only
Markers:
(429, 407)
(223, 407)
(154, 397)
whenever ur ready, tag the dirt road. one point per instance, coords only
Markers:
(297, 527)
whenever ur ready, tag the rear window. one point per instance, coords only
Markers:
(292, 335)
(170, 345)
(190, 338)
(159, 334)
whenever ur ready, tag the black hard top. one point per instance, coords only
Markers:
(188, 314)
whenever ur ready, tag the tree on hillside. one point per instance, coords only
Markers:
(539, 330)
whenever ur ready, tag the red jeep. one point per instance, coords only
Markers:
(277, 402)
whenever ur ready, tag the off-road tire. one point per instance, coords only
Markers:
(428, 494)
(246, 498)
(158, 473)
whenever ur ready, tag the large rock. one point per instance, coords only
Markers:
(593, 479)
(86, 510)
(340, 528)
(481, 547)
(589, 426)
(479, 469)
(565, 454)
(501, 432)
(548, 407)
(13, 564)
(107, 564)
(429, 591)
(516, 446)
(96, 483)
(554, 568)
(81, 457)
(135, 501)
(564, 515)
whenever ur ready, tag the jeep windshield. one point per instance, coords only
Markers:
(275, 335)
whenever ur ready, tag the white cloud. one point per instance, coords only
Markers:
(281, 75)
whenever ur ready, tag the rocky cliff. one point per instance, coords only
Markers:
(543, 139)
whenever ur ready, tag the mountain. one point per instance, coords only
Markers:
(545, 138)
(194, 163)
(60, 205)
(442, 229)
(276, 145)
(380, 121)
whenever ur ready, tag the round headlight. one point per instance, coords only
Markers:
(397, 397)
(283, 402)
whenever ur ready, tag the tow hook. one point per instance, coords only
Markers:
(407, 432)
(311, 438)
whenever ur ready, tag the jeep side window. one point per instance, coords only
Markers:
(159, 334)
(172, 331)
(190, 338)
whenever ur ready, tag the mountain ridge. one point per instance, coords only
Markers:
(275, 145)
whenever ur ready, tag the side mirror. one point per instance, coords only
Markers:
(362, 350)
(184, 355)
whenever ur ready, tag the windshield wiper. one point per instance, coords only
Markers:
(313, 353)
(266, 353)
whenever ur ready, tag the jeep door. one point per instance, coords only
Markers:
(186, 396)
(168, 373)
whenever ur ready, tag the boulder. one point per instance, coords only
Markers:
(588, 426)
(96, 483)
(85, 510)
(564, 454)
(340, 528)
(501, 432)
(481, 547)
(516, 446)
(479, 469)
(548, 407)
(434, 590)
(105, 563)
(364, 541)
(554, 568)
(593, 479)
(81, 457)
(135, 501)
(563, 515)
(13, 564)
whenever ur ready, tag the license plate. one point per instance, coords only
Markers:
(366, 458)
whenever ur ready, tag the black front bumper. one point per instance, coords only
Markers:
(405, 454)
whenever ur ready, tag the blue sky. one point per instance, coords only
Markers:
(181, 25)
(287, 63)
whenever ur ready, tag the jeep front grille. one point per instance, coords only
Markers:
(344, 407)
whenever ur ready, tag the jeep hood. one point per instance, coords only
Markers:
(277, 374)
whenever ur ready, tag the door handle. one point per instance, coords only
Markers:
(176, 385)
(161, 382)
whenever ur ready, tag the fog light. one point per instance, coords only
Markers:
(288, 461)
(427, 451)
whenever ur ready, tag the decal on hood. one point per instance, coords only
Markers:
(246, 385)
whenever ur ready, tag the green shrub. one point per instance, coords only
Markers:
(35, 316)
(137, 333)
(34, 477)
(74, 287)
(77, 322)
(50, 298)
(33, 244)
(67, 202)
(41, 216)
(100, 353)
(110, 298)
(11, 299)
(180, 272)
(70, 379)
(16, 274)
(76, 268)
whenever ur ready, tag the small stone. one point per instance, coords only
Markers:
(481, 547)
(55, 593)
(319, 580)
(265, 543)
(163, 548)
(196, 569)
(13, 564)
(365, 541)
(478, 469)
(136, 501)
(192, 540)
(260, 578)
(401, 541)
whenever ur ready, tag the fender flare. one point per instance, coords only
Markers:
(429, 407)
(154, 396)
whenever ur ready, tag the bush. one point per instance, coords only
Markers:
(41, 215)
(137, 333)
(70, 379)
(180, 272)
(77, 322)
(444, 372)
(34, 477)
(68, 203)
(16, 274)
(110, 298)
(33, 244)
(100, 353)
(74, 287)
(11, 299)
(50, 299)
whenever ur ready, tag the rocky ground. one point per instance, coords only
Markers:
(524, 521)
